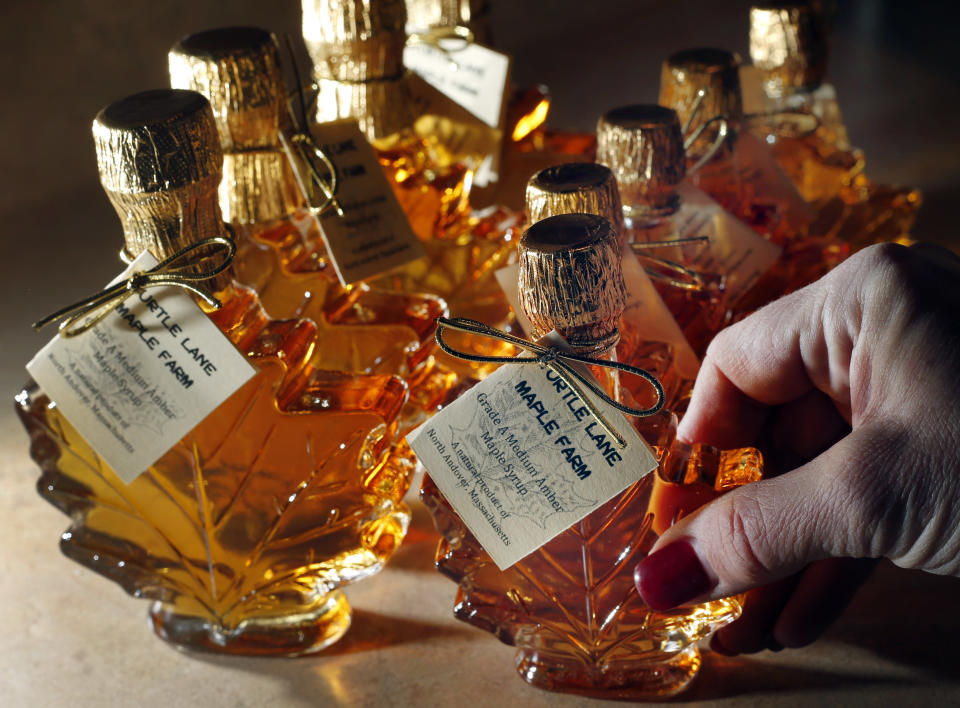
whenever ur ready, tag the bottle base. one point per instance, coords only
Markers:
(287, 635)
(635, 681)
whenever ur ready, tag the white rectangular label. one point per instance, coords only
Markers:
(469, 73)
(520, 459)
(143, 377)
(734, 250)
(373, 236)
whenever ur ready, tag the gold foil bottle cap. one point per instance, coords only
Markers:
(382, 108)
(716, 71)
(422, 14)
(643, 146)
(788, 43)
(238, 70)
(355, 40)
(159, 158)
(571, 280)
(429, 14)
(575, 188)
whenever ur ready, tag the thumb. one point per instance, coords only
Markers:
(768, 530)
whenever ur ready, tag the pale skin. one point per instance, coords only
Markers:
(851, 388)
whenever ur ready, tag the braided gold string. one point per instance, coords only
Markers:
(560, 362)
(171, 271)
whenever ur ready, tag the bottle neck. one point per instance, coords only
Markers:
(649, 215)
(258, 186)
(382, 107)
(164, 222)
(608, 378)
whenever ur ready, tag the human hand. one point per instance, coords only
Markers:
(850, 388)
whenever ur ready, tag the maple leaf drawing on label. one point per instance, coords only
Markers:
(500, 455)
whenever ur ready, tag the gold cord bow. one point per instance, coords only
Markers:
(168, 272)
(323, 175)
(558, 360)
(791, 128)
(434, 36)
(684, 278)
(812, 122)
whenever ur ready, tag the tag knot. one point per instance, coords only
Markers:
(560, 362)
(548, 357)
(137, 281)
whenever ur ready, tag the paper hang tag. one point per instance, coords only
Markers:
(520, 459)
(734, 250)
(508, 278)
(472, 75)
(373, 236)
(645, 312)
(754, 98)
(142, 378)
(769, 181)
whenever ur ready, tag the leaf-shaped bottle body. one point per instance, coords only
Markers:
(242, 532)
(361, 328)
(571, 607)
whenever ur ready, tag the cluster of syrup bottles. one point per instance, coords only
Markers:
(243, 532)
(722, 210)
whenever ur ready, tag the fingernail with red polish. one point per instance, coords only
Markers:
(671, 576)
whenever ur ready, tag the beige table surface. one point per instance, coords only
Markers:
(70, 638)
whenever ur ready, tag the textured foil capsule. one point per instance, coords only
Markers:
(788, 43)
(382, 108)
(643, 147)
(716, 71)
(355, 40)
(357, 51)
(472, 14)
(575, 188)
(238, 70)
(444, 13)
(571, 280)
(159, 159)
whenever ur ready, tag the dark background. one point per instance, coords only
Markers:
(894, 64)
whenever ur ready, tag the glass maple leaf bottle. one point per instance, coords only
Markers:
(788, 46)
(648, 339)
(357, 49)
(242, 532)
(789, 49)
(703, 85)
(363, 329)
(571, 607)
(716, 266)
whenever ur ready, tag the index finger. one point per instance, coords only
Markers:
(796, 344)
